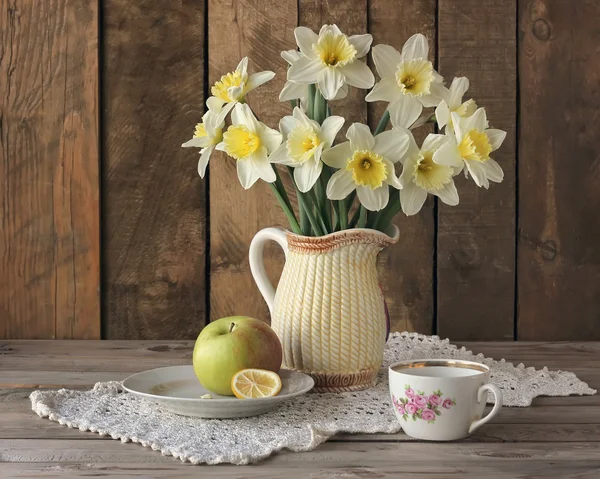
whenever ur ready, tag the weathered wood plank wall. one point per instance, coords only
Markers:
(167, 251)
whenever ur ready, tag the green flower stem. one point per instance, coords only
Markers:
(320, 112)
(305, 207)
(281, 189)
(288, 212)
(304, 223)
(385, 119)
(343, 215)
(362, 218)
(312, 90)
(382, 222)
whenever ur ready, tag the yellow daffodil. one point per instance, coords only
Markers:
(452, 102)
(331, 60)
(470, 144)
(234, 86)
(250, 142)
(304, 142)
(299, 91)
(365, 164)
(421, 175)
(207, 135)
(409, 75)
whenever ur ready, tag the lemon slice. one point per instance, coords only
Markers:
(255, 383)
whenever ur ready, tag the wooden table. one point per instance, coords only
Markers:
(556, 437)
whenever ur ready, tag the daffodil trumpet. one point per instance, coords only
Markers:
(365, 180)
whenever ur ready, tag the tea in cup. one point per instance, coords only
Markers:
(441, 399)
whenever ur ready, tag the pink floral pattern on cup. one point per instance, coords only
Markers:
(418, 405)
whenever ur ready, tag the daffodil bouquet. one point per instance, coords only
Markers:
(358, 183)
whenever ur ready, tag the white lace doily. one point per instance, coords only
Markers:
(300, 424)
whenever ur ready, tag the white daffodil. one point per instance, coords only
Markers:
(366, 164)
(207, 135)
(421, 175)
(299, 91)
(330, 59)
(408, 75)
(304, 142)
(452, 102)
(470, 144)
(234, 86)
(250, 142)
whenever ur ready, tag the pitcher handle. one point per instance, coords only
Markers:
(481, 396)
(257, 264)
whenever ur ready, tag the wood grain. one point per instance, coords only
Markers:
(407, 269)
(43, 458)
(258, 30)
(476, 239)
(154, 201)
(554, 438)
(559, 171)
(49, 209)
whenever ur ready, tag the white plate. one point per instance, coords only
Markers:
(177, 389)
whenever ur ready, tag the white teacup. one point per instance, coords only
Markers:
(441, 399)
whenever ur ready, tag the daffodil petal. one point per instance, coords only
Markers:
(433, 141)
(195, 143)
(330, 28)
(340, 185)
(477, 121)
(257, 79)
(330, 81)
(338, 156)
(215, 104)
(342, 93)
(386, 59)
(475, 168)
(391, 144)
(436, 92)
(280, 156)
(493, 171)
(362, 43)
(392, 179)
(286, 125)
(448, 194)
(300, 117)
(242, 66)
(358, 75)
(448, 155)
(305, 39)
(262, 166)
(247, 174)
(290, 56)
(236, 92)
(415, 47)
(458, 126)
(203, 161)
(385, 90)
(496, 137)
(270, 138)
(360, 137)
(442, 114)
(373, 200)
(305, 70)
(459, 87)
(307, 174)
(412, 199)
(404, 111)
(292, 91)
(330, 128)
(242, 114)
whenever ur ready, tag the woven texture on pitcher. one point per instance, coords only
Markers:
(329, 310)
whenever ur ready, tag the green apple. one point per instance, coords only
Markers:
(230, 344)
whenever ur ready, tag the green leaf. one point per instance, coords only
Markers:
(403, 400)
(437, 413)
(406, 386)
(405, 417)
(421, 393)
(414, 417)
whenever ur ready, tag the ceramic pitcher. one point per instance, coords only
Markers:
(328, 310)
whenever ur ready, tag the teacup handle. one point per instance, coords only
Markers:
(257, 264)
(481, 397)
